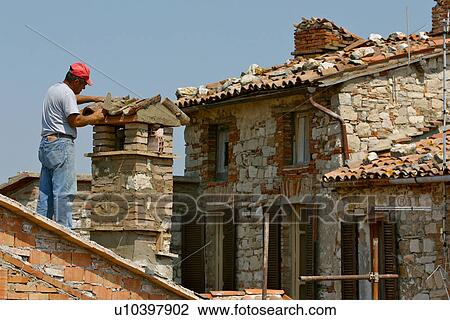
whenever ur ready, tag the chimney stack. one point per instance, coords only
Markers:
(316, 36)
(439, 13)
(132, 181)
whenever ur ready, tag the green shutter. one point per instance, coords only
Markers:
(229, 251)
(193, 258)
(274, 259)
(349, 259)
(388, 261)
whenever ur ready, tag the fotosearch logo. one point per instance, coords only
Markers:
(182, 208)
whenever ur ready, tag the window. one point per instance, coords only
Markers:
(224, 255)
(300, 148)
(385, 233)
(222, 153)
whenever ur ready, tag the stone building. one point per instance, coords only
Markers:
(268, 139)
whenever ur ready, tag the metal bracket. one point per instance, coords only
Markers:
(374, 277)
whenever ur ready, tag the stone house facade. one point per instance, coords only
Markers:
(267, 139)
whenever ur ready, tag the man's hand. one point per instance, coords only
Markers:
(88, 99)
(78, 120)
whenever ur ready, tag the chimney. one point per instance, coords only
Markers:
(132, 182)
(439, 13)
(316, 36)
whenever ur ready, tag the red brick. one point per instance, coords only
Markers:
(39, 257)
(17, 279)
(73, 274)
(61, 258)
(138, 296)
(85, 287)
(111, 280)
(38, 296)
(58, 296)
(81, 259)
(44, 289)
(121, 295)
(3, 283)
(6, 239)
(102, 293)
(24, 287)
(17, 296)
(157, 297)
(132, 284)
(92, 278)
(24, 240)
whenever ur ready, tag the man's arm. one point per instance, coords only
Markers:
(78, 120)
(87, 99)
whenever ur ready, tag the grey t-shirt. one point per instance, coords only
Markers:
(59, 103)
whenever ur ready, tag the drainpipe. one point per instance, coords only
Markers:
(342, 122)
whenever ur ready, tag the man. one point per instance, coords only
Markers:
(60, 118)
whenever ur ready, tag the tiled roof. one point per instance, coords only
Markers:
(149, 110)
(360, 57)
(422, 159)
(246, 294)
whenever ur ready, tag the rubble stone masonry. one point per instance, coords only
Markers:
(380, 110)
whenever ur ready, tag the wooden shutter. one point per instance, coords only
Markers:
(193, 265)
(288, 139)
(229, 251)
(349, 259)
(310, 254)
(274, 268)
(388, 260)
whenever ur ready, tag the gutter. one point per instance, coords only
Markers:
(386, 182)
(342, 122)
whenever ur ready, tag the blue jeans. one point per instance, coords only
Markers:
(58, 181)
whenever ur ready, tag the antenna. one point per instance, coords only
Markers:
(444, 91)
(407, 35)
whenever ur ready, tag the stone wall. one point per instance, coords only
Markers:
(257, 155)
(131, 200)
(28, 196)
(390, 108)
(419, 247)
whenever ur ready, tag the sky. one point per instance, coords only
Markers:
(153, 47)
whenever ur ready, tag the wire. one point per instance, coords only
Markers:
(81, 59)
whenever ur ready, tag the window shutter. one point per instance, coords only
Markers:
(274, 268)
(193, 265)
(389, 260)
(310, 254)
(349, 259)
(288, 141)
(229, 250)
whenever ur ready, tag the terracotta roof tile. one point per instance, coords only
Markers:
(302, 71)
(425, 162)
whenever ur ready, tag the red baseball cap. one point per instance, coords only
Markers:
(81, 70)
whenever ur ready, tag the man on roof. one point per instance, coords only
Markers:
(60, 118)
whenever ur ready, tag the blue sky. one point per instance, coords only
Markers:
(155, 47)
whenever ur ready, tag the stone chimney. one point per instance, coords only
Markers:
(132, 181)
(439, 13)
(317, 36)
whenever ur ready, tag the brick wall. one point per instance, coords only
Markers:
(38, 264)
(439, 13)
(314, 36)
